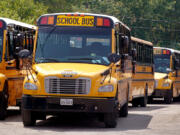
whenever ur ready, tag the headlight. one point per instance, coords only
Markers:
(106, 88)
(166, 84)
(30, 86)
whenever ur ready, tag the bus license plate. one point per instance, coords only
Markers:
(66, 101)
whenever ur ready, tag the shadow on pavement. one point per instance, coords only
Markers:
(91, 124)
(148, 108)
(13, 116)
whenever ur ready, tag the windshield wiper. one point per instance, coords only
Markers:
(85, 58)
(47, 59)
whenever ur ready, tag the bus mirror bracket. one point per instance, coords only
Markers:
(113, 58)
(125, 41)
(134, 53)
(133, 66)
(24, 54)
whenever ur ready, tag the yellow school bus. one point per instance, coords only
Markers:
(143, 72)
(81, 63)
(14, 36)
(167, 73)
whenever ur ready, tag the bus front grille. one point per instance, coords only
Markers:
(55, 85)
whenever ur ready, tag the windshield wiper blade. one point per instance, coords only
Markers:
(80, 58)
(48, 59)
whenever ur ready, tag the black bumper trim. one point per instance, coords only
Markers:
(52, 104)
(162, 93)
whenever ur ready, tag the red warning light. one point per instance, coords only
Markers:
(1, 24)
(44, 20)
(107, 22)
(168, 52)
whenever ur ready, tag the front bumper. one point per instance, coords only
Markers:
(52, 104)
(162, 93)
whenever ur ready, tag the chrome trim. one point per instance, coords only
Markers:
(56, 85)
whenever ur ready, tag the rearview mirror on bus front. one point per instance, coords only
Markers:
(24, 54)
(125, 41)
(134, 53)
(168, 70)
(113, 58)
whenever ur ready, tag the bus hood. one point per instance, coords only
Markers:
(160, 75)
(67, 69)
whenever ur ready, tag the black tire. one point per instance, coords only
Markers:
(3, 103)
(124, 110)
(143, 100)
(135, 103)
(168, 99)
(150, 100)
(28, 118)
(110, 120)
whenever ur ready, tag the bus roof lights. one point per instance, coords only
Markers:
(44, 20)
(1, 24)
(99, 21)
(82, 15)
(51, 20)
(164, 51)
(107, 22)
(168, 52)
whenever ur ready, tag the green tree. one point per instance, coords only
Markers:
(23, 10)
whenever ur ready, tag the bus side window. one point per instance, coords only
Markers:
(117, 43)
(9, 46)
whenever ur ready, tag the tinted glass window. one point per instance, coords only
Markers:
(72, 44)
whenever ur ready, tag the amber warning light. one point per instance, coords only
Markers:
(75, 20)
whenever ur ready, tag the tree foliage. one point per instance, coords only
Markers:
(23, 10)
(155, 20)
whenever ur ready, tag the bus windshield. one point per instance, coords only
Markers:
(1, 44)
(162, 63)
(73, 44)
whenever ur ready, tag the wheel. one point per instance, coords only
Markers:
(143, 100)
(28, 118)
(168, 99)
(150, 100)
(135, 103)
(3, 103)
(124, 110)
(110, 120)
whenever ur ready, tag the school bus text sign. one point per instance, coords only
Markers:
(63, 20)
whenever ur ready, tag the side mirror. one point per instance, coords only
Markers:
(125, 41)
(168, 70)
(113, 58)
(24, 54)
(176, 63)
(134, 53)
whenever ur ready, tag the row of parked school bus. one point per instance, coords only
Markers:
(81, 63)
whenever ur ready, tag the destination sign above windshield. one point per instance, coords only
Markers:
(63, 20)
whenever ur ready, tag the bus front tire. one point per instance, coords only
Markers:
(3, 103)
(168, 99)
(143, 100)
(110, 120)
(28, 118)
(124, 110)
(3, 108)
